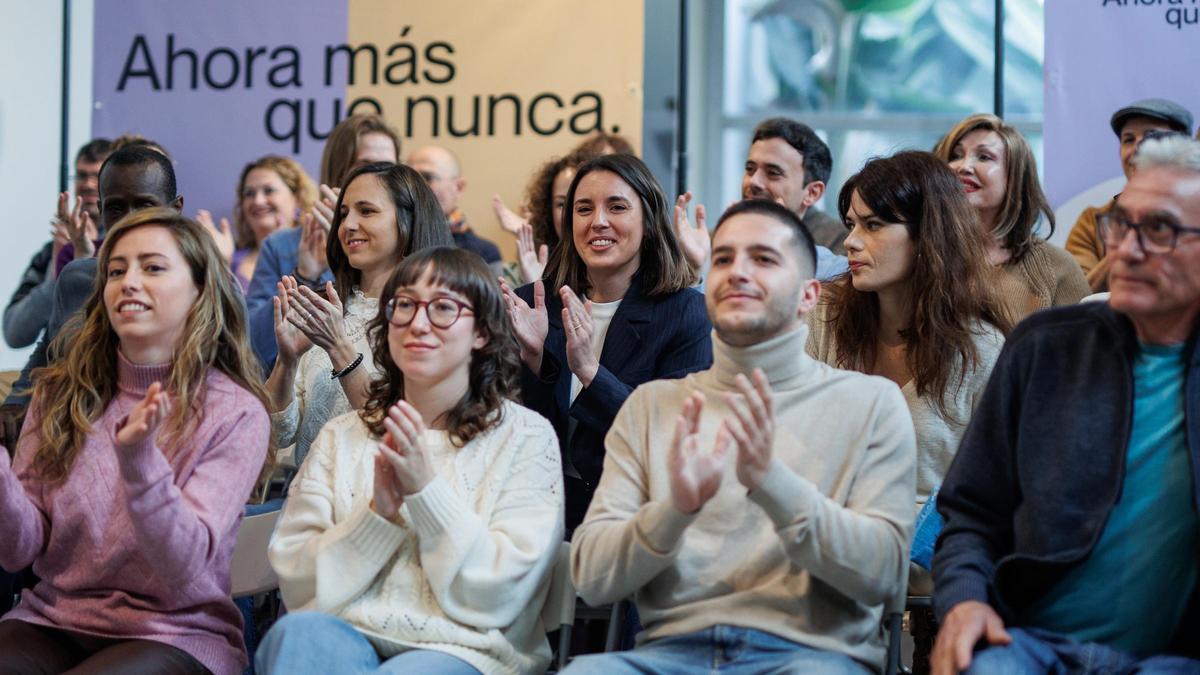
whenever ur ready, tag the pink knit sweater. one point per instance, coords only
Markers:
(135, 543)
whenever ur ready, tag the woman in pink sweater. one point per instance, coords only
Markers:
(141, 444)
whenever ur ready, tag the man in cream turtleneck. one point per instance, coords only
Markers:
(758, 512)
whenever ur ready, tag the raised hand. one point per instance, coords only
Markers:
(80, 228)
(530, 324)
(695, 241)
(581, 333)
(962, 629)
(695, 474)
(143, 421)
(221, 233)
(291, 340)
(530, 257)
(509, 221)
(753, 428)
(404, 449)
(311, 260)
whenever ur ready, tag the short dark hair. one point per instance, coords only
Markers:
(802, 239)
(140, 155)
(815, 154)
(94, 150)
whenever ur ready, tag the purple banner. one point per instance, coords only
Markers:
(1102, 55)
(218, 84)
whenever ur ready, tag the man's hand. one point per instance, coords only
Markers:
(695, 475)
(965, 624)
(753, 428)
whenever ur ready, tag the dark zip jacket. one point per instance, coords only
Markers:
(1042, 462)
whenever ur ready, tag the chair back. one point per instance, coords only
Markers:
(251, 572)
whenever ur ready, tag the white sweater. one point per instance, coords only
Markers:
(316, 397)
(467, 571)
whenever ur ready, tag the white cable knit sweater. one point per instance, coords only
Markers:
(468, 569)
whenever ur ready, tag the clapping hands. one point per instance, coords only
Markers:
(402, 464)
(143, 421)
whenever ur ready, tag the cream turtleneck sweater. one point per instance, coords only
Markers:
(811, 556)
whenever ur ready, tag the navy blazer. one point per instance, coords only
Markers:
(650, 338)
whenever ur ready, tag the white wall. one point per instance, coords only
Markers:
(30, 105)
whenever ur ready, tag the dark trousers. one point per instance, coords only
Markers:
(30, 649)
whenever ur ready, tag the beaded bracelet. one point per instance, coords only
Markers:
(338, 374)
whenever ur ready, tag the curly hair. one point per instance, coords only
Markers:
(539, 196)
(1025, 199)
(950, 287)
(494, 367)
(294, 178)
(74, 390)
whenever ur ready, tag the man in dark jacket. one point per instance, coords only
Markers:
(1072, 529)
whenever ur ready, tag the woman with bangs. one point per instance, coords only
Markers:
(420, 534)
(141, 445)
(998, 172)
(917, 306)
(622, 313)
(386, 212)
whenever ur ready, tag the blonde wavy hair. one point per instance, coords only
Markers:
(294, 177)
(74, 391)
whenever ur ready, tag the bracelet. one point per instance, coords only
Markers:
(314, 284)
(339, 374)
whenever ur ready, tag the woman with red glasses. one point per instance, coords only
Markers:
(420, 534)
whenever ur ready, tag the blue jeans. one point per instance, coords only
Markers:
(1040, 651)
(314, 642)
(720, 649)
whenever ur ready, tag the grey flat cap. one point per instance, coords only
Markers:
(1170, 112)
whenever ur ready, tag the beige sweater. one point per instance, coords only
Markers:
(811, 556)
(467, 569)
(1046, 277)
(937, 436)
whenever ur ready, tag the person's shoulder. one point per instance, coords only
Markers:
(285, 239)
(1057, 325)
(524, 420)
(1055, 256)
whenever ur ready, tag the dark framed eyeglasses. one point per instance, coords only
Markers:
(442, 312)
(1155, 235)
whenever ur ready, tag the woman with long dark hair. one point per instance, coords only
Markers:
(141, 445)
(918, 306)
(420, 533)
(385, 213)
(622, 312)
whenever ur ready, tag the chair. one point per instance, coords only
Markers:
(563, 606)
(893, 623)
(250, 571)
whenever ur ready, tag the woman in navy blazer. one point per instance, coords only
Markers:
(624, 313)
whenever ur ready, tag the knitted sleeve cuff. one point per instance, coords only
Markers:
(435, 510)
(784, 495)
(372, 535)
(661, 526)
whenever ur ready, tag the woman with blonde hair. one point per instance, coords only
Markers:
(420, 534)
(141, 445)
(996, 167)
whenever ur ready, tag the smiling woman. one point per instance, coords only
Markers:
(139, 449)
(385, 212)
(623, 314)
(998, 172)
(429, 519)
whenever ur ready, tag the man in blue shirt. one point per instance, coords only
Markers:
(1071, 536)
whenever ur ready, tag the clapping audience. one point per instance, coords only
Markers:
(745, 463)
